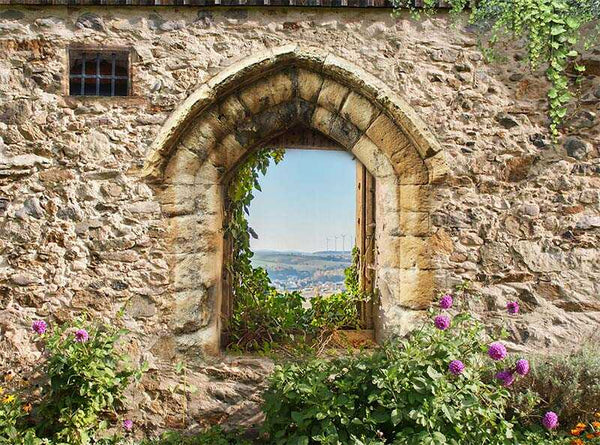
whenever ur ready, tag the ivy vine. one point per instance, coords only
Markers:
(554, 31)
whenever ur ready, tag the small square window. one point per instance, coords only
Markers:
(98, 73)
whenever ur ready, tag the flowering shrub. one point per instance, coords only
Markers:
(86, 378)
(447, 383)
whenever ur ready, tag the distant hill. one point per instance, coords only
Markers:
(305, 271)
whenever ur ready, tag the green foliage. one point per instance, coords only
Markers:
(84, 389)
(334, 311)
(14, 429)
(240, 194)
(264, 318)
(553, 31)
(568, 384)
(86, 383)
(402, 394)
(212, 436)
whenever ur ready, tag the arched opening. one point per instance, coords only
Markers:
(300, 298)
(263, 98)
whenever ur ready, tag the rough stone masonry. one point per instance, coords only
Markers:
(84, 227)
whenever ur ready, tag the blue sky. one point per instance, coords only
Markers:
(306, 198)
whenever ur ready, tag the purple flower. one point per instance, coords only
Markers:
(442, 322)
(81, 336)
(39, 327)
(127, 425)
(512, 307)
(497, 351)
(506, 377)
(456, 367)
(446, 302)
(522, 367)
(550, 420)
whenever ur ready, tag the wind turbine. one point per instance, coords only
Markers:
(336, 238)
(343, 235)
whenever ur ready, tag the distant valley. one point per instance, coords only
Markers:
(321, 272)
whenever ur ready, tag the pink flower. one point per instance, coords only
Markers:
(446, 302)
(39, 327)
(506, 377)
(522, 367)
(497, 351)
(456, 367)
(81, 336)
(512, 307)
(127, 425)
(550, 420)
(442, 322)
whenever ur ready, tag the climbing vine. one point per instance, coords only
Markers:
(264, 318)
(554, 32)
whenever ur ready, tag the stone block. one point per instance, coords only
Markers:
(371, 157)
(194, 270)
(322, 120)
(199, 344)
(403, 156)
(192, 310)
(406, 288)
(343, 132)
(232, 110)
(410, 167)
(182, 167)
(387, 136)
(359, 111)
(266, 93)
(204, 135)
(415, 252)
(417, 288)
(332, 95)
(437, 168)
(193, 233)
(415, 223)
(309, 85)
(140, 307)
(405, 252)
(227, 153)
(416, 198)
(178, 199)
(410, 123)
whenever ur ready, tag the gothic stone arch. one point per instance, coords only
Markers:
(255, 100)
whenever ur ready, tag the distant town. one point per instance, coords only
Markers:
(309, 273)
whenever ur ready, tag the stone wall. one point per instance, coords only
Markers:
(82, 229)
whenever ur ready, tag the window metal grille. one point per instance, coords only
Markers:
(98, 73)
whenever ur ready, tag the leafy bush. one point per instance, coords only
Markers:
(86, 378)
(334, 311)
(437, 387)
(264, 315)
(568, 384)
(212, 436)
(86, 382)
